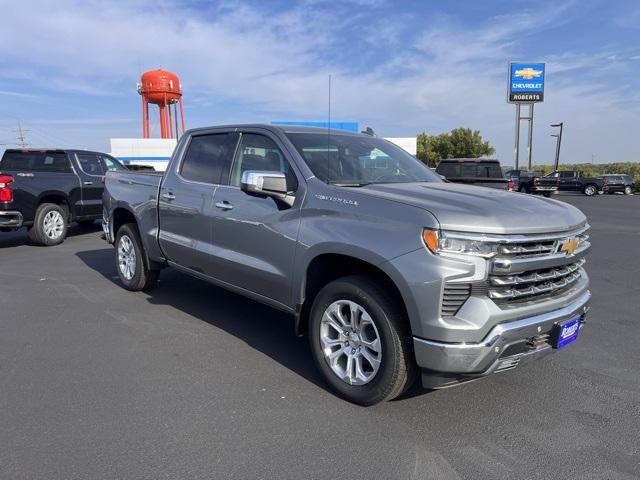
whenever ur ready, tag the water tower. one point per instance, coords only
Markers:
(161, 88)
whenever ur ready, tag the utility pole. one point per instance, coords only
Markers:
(558, 143)
(20, 131)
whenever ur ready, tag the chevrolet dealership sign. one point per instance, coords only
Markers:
(526, 82)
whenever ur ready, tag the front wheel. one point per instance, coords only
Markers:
(130, 261)
(590, 190)
(627, 190)
(360, 341)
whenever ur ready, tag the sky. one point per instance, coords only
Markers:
(68, 69)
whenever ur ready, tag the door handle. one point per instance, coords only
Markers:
(168, 196)
(224, 205)
(87, 183)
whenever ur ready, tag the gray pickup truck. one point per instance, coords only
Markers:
(389, 271)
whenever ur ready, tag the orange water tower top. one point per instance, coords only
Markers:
(161, 88)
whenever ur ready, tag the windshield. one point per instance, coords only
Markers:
(349, 160)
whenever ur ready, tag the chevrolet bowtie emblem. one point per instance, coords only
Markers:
(569, 246)
(528, 73)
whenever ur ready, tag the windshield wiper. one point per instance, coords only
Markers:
(351, 184)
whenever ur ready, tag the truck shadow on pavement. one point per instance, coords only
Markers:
(20, 237)
(263, 328)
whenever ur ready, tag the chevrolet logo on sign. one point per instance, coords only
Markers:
(527, 73)
(569, 246)
(526, 82)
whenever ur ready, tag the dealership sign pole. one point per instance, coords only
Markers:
(526, 87)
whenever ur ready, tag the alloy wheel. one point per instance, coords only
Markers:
(53, 224)
(126, 257)
(350, 342)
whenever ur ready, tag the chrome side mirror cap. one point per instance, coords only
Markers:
(266, 184)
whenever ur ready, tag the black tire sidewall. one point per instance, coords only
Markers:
(377, 389)
(135, 283)
(587, 189)
(38, 234)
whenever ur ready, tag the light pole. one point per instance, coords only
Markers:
(555, 164)
(558, 143)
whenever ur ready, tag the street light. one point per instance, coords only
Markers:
(558, 142)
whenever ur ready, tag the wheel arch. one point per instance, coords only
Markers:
(57, 198)
(326, 267)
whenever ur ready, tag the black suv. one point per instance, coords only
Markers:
(474, 171)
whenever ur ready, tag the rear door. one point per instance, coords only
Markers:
(185, 204)
(91, 173)
(570, 182)
(254, 238)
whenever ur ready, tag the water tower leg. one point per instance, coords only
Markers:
(170, 122)
(145, 118)
(182, 114)
(163, 121)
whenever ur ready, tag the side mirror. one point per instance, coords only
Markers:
(266, 184)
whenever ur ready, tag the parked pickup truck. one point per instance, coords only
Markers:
(572, 181)
(389, 270)
(480, 172)
(533, 182)
(44, 190)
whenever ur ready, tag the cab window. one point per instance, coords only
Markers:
(258, 152)
(209, 157)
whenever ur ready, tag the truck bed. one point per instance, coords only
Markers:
(137, 192)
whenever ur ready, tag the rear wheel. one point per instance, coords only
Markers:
(628, 190)
(49, 225)
(130, 260)
(590, 190)
(360, 341)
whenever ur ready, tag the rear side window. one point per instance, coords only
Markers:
(490, 170)
(209, 157)
(110, 164)
(90, 164)
(448, 170)
(469, 170)
(36, 161)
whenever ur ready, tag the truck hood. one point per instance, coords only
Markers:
(484, 210)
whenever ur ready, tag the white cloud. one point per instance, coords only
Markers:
(274, 65)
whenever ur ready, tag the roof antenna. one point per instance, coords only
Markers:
(329, 134)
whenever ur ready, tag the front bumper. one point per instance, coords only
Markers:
(496, 351)
(10, 219)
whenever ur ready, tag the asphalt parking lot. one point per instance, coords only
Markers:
(191, 381)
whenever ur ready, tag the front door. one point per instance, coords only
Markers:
(254, 238)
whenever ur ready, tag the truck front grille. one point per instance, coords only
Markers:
(534, 283)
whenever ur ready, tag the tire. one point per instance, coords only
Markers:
(546, 194)
(131, 261)
(379, 318)
(628, 190)
(49, 225)
(590, 190)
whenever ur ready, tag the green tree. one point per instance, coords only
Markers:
(459, 143)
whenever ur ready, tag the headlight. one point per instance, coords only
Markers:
(442, 242)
